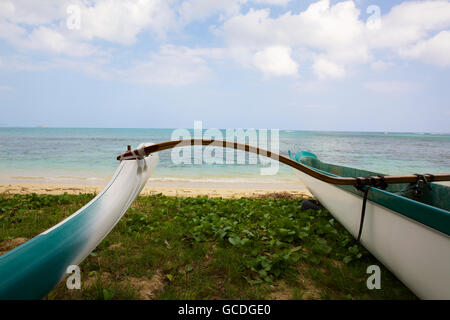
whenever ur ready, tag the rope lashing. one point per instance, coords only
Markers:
(421, 182)
(365, 189)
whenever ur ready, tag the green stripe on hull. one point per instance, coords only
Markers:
(432, 209)
(36, 267)
(31, 270)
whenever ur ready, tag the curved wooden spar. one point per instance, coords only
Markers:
(145, 151)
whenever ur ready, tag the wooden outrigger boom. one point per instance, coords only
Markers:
(373, 180)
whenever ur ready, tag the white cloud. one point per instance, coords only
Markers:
(410, 22)
(171, 66)
(47, 39)
(434, 51)
(191, 10)
(324, 69)
(273, 2)
(392, 87)
(116, 21)
(198, 10)
(334, 31)
(275, 61)
(321, 26)
(32, 13)
(381, 66)
(336, 38)
(121, 21)
(10, 31)
(330, 38)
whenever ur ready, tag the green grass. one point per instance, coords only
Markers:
(209, 248)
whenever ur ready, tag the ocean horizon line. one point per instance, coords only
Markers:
(205, 128)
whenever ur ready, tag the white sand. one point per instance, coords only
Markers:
(172, 189)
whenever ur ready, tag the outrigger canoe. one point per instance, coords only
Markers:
(404, 221)
(31, 270)
(406, 226)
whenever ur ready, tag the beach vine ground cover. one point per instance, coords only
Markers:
(208, 248)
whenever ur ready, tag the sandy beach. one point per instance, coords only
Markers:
(169, 189)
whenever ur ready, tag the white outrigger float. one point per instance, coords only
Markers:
(409, 235)
(404, 221)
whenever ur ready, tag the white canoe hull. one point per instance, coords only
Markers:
(418, 255)
(31, 270)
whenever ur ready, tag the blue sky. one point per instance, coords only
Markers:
(304, 65)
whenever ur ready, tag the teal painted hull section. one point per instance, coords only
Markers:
(36, 267)
(432, 209)
(31, 270)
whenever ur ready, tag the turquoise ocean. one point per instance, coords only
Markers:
(88, 156)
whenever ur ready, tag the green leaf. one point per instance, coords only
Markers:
(234, 240)
(108, 294)
(313, 259)
(295, 249)
(321, 248)
(266, 264)
(353, 249)
(347, 259)
(294, 257)
(302, 235)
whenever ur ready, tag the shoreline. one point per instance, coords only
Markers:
(175, 189)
